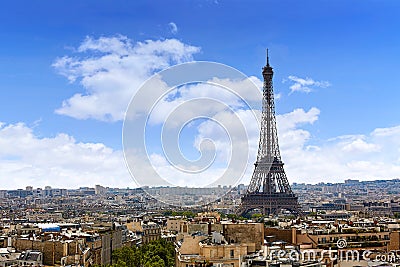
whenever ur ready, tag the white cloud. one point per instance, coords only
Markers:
(217, 95)
(307, 159)
(297, 117)
(115, 67)
(360, 145)
(173, 28)
(363, 157)
(305, 85)
(60, 161)
(222, 140)
(111, 69)
(176, 177)
(231, 121)
(383, 132)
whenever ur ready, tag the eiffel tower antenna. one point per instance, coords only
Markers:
(269, 190)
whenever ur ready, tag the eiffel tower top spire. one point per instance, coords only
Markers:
(268, 149)
(267, 70)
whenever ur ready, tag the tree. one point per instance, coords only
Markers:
(127, 256)
(154, 261)
(257, 216)
(155, 254)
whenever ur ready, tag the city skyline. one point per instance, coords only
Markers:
(242, 186)
(335, 67)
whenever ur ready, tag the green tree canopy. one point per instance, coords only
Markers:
(155, 254)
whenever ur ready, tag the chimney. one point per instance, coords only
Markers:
(9, 244)
(294, 235)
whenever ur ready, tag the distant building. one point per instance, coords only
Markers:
(100, 190)
(351, 182)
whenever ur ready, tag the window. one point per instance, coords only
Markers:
(232, 253)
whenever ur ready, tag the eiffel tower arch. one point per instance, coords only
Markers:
(269, 190)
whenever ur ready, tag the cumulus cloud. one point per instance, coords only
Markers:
(360, 145)
(226, 102)
(297, 117)
(309, 160)
(220, 95)
(305, 85)
(111, 69)
(387, 132)
(357, 156)
(173, 27)
(59, 161)
(293, 139)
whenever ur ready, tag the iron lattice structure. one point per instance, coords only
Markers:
(269, 189)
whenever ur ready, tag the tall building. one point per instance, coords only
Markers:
(269, 190)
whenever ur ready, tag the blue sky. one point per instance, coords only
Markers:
(348, 50)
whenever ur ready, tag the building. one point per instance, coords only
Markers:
(226, 247)
(148, 231)
(30, 258)
(8, 257)
(174, 224)
(201, 250)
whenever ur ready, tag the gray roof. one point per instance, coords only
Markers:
(30, 255)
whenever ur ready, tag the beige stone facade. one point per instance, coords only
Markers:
(227, 246)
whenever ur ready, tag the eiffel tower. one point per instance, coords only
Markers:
(269, 190)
